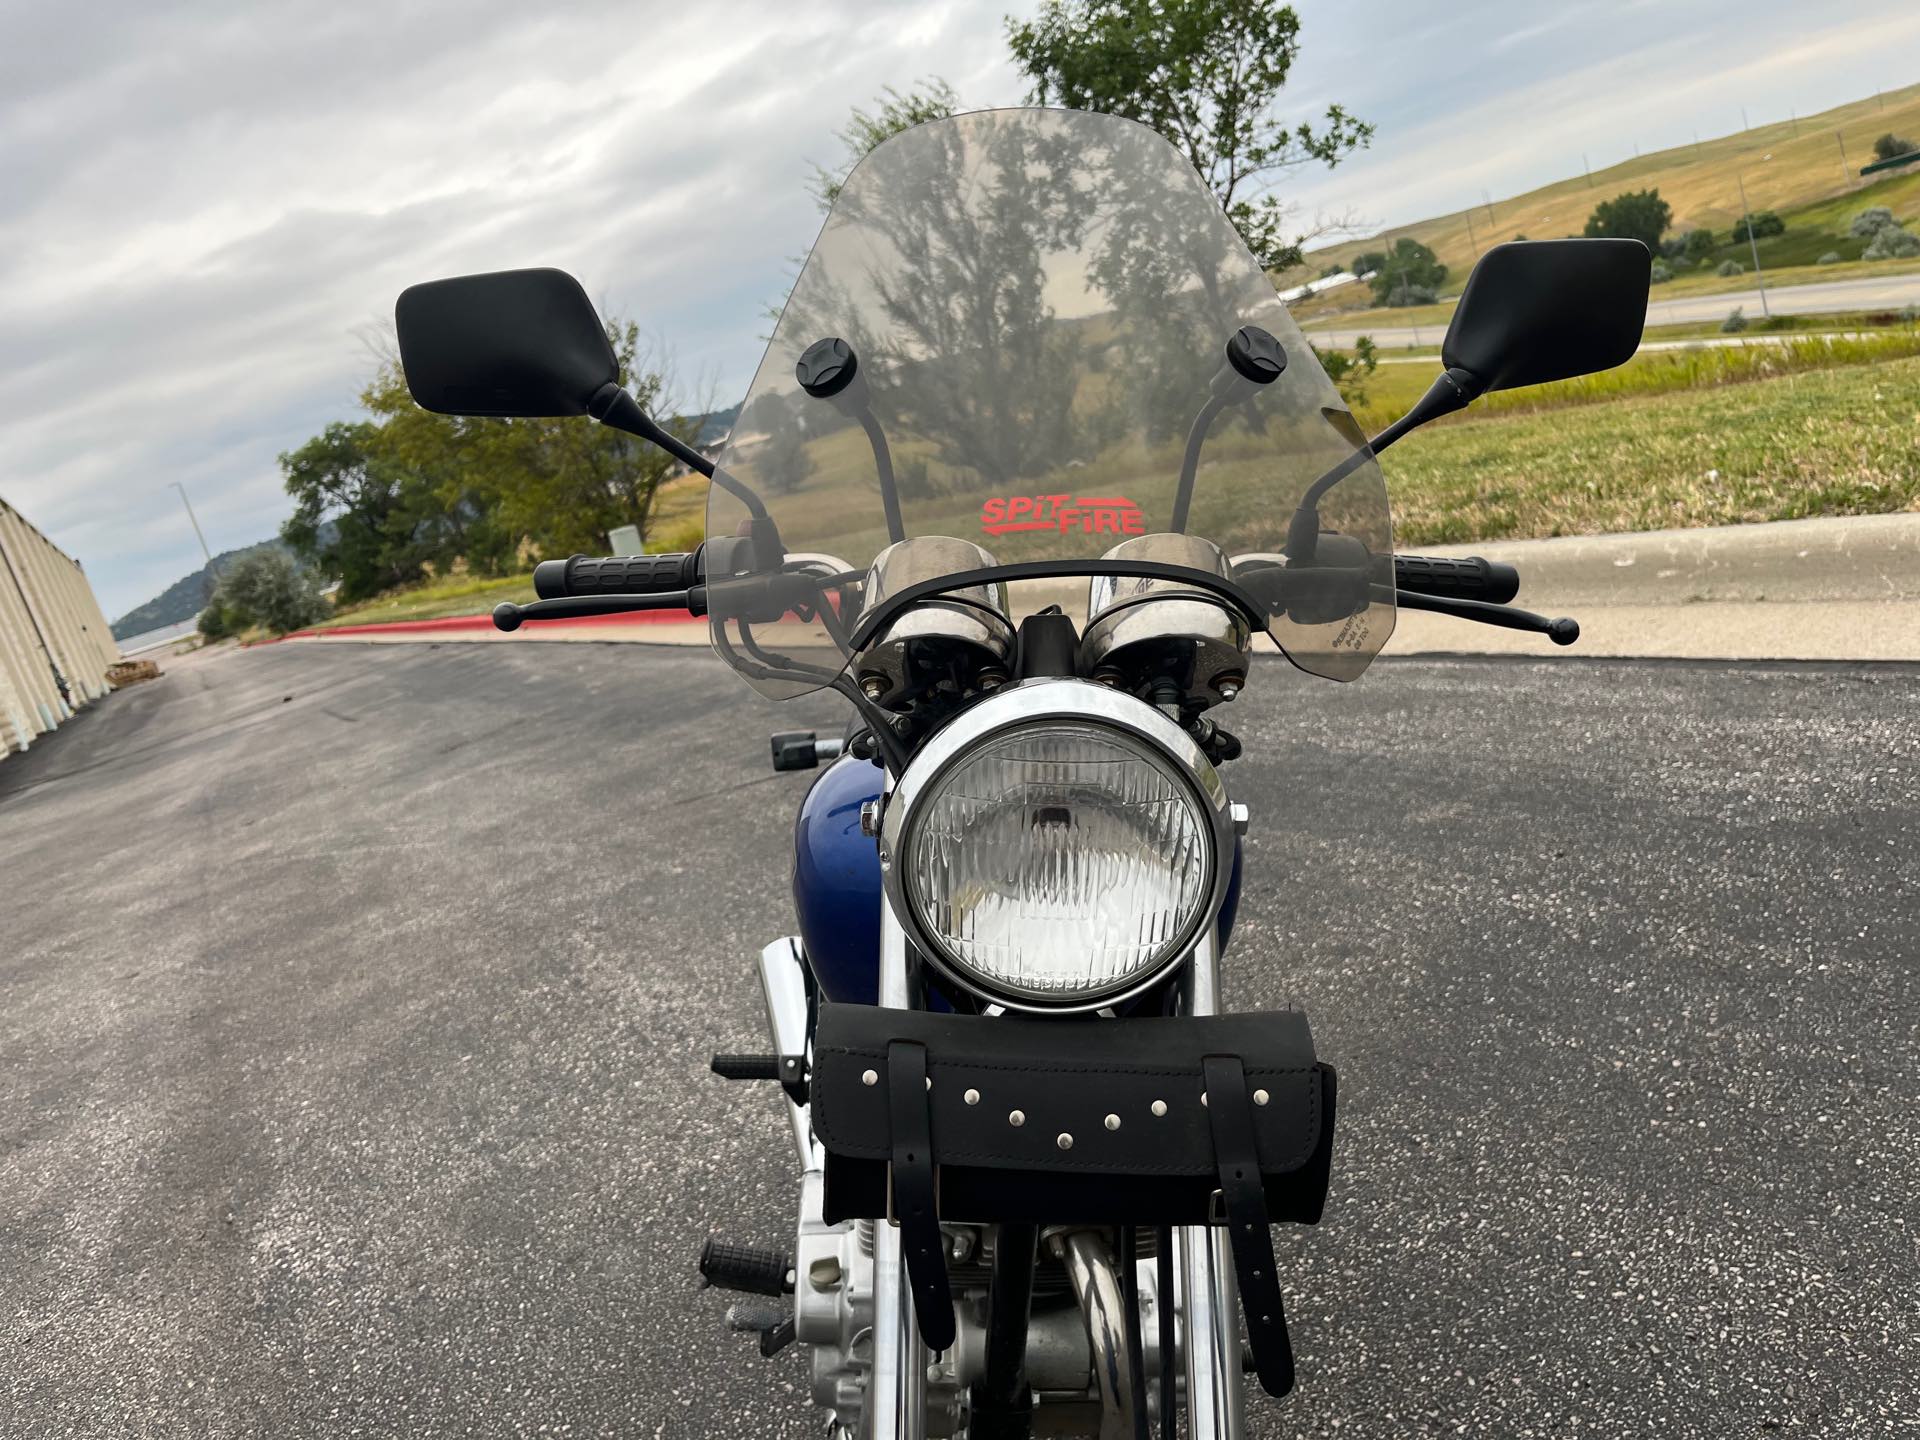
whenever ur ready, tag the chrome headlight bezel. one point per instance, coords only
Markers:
(1035, 702)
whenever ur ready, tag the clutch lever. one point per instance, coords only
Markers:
(508, 616)
(1562, 631)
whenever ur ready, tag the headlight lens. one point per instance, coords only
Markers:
(1059, 861)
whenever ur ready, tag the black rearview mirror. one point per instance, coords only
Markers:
(514, 343)
(1540, 310)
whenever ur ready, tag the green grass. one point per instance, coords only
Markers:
(456, 595)
(1843, 441)
(1392, 389)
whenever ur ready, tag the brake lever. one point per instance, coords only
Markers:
(1561, 631)
(509, 616)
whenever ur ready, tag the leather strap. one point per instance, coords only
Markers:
(915, 1198)
(1230, 1115)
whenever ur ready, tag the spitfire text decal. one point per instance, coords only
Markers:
(1111, 515)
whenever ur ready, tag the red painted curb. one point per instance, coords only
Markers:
(457, 624)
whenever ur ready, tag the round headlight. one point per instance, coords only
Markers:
(1059, 861)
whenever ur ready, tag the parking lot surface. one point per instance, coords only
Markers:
(355, 1005)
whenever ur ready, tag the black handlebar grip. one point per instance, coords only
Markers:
(1468, 578)
(621, 575)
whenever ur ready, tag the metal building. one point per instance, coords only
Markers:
(55, 645)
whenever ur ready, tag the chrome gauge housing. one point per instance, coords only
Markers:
(1057, 848)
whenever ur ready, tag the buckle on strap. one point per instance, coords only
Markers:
(915, 1199)
(1236, 1152)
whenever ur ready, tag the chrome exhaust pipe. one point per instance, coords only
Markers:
(1103, 1305)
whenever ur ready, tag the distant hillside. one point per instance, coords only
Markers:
(183, 599)
(1786, 165)
(187, 596)
(715, 424)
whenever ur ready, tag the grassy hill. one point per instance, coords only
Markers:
(1789, 166)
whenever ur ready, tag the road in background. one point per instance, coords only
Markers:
(1828, 297)
(358, 1001)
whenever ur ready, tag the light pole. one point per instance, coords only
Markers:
(206, 554)
(1753, 244)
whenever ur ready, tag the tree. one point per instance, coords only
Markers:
(381, 502)
(370, 545)
(1350, 373)
(559, 484)
(1870, 222)
(1637, 215)
(1890, 145)
(931, 99)
(265, 588)
(1407, 274)
(1203, 73)
(1699, 243)
(1758, 226)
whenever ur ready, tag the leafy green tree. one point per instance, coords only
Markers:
(266, 588)
(1350, 372)
(1408, 273)
(1699, 243)
(931, 99)
(1206, 75)
(1890, 145)
(1758, 226)
(559, 484)
(1636, 215)
(382, 502)
(373, 505)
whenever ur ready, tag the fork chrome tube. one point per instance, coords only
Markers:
(1209, 1295)
(896, 1406)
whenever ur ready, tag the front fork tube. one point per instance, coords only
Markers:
(1209, 1294)
(896, 1406)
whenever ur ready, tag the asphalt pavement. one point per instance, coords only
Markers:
(355, 1004)
(1826, 297)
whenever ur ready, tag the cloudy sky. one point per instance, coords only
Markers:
(205, 207)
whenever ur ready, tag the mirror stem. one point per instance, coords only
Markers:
(1455, 389)
(613, 404)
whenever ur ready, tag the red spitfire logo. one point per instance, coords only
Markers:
(1114, 515)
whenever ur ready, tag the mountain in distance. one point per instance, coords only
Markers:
(184, 599)
(187, 596)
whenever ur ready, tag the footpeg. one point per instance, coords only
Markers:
(746, 1268)
(774, 1327)
(746, 1067)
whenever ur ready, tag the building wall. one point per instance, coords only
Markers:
(49, 621)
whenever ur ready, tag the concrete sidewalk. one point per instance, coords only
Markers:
(1828, 589)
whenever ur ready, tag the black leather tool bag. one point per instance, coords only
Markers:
(1224, 1120)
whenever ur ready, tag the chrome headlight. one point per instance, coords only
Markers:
(1057, 847)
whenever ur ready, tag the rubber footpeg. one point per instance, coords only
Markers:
(746, 1067)
(746, 1268)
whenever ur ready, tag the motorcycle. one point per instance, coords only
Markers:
(1035, 454)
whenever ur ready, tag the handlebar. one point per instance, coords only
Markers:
(621, 575)
(1467, 578)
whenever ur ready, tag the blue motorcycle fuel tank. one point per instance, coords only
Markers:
(836, 883)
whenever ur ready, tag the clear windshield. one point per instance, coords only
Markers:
(1037, 304)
